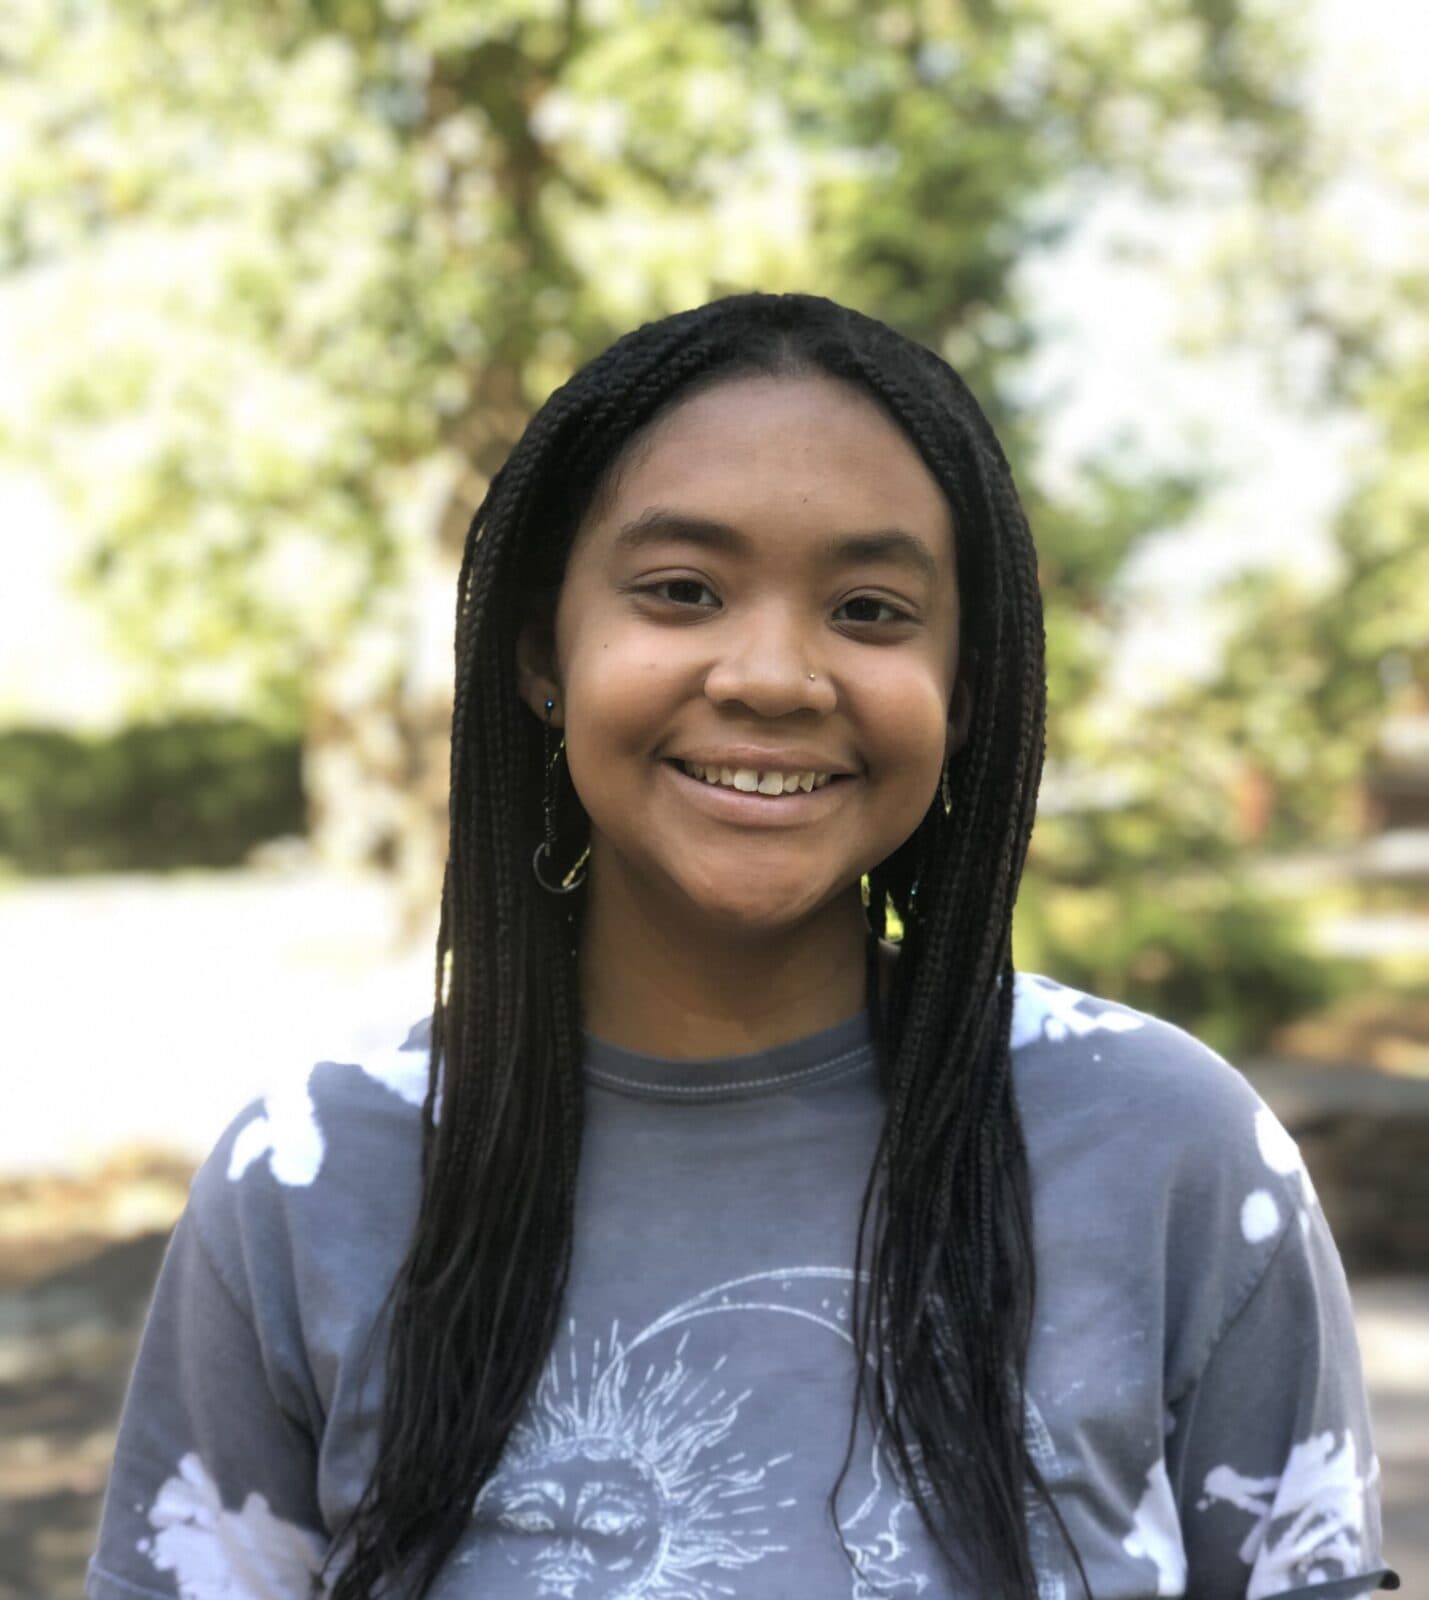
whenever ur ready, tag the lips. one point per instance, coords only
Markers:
(751, 808)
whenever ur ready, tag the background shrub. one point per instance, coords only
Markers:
(149, 797)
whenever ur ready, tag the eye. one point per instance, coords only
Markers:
(526, 1521)
(896, 613)
(689, 585)
(607, 1520)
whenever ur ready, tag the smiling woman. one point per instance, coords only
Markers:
(714, 1244)
(704, 620)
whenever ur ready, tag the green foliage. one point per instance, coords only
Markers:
(1330, 284)
(1308, 676)
(147, 798)
(272, 256)
(1205, 952)
(268, 262)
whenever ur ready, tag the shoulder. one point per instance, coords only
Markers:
(1142, 1075)
(311, 1122)
(1142, 1136)
(333, 1150)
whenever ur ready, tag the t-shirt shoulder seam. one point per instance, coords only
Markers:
(213, 1260)
(1239, 1307)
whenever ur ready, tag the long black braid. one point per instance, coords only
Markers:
(943, 1315)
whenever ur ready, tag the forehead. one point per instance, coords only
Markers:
(751, 450)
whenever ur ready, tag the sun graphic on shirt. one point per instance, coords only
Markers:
(614, 1487)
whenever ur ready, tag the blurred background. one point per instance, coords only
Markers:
(280, 285)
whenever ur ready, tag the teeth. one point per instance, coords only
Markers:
(748, 781)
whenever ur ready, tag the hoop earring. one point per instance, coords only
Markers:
(546, 848)
(945, 787)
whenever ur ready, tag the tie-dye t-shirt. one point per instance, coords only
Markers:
(1195, 1400)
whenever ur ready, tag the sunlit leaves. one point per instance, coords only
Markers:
(265, 258)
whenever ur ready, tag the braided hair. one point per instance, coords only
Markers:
(943, 1301)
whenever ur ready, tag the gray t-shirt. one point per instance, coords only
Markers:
(1195, 1397)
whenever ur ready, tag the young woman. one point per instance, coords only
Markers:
(703, 1242)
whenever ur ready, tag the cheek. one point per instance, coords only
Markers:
(622, 695)
(903, 720)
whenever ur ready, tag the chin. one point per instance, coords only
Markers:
(764, 908)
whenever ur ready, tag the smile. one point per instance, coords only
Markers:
(750, 781)
(752, 807)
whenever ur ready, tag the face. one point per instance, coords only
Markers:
(768, 586)
(584, 1525)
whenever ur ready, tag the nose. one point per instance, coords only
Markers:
(565, 1559)
(770, 664)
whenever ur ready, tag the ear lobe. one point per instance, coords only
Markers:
(534, 679)
(960, 716)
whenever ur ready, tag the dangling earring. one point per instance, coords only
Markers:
(546, 847)
(912, 903)
(945, 796)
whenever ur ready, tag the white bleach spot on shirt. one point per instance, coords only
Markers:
(404, 1072)
(287, 1132)
(1259, 1216)
(1156, 1533)
(1281, 1154)
(217, 1554)
(1309, 1522)
(1045, 1009)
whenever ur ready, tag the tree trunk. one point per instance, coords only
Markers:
(378, 756)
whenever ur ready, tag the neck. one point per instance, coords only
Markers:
(664, 985)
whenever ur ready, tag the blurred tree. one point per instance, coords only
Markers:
(1331, 285)
(286, 280)
(1310, 671)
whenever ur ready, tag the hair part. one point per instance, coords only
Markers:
(945, 1285)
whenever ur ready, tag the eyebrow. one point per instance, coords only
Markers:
(658, 526)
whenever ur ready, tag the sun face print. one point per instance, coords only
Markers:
(626, 1479)
(598, 1517)
(615, 1485)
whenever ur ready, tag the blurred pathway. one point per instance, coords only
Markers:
(151, 1010)
(1392, 1319)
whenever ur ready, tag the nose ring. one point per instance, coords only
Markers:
(811, 677)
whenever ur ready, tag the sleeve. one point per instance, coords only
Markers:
(1270, 1455)
(212, 1489)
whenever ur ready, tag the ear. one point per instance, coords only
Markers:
(535, 673)
(960, 716)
